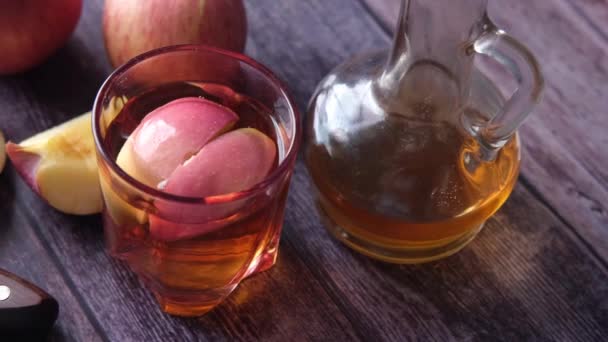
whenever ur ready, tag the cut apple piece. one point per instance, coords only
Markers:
(126, 162)
(120, 211)
(171, 134)
(233, 162)
(60, 165)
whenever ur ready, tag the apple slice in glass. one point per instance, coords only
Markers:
(233, 162)
(171, 134)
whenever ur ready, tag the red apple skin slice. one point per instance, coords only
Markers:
(172, 133)
(233, 162)
(26, 164)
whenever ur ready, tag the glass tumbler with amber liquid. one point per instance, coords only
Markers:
(194, 246)
(411, 154)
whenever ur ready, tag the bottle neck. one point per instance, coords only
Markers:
(432, 53)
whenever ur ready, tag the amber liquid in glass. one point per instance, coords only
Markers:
(405, 183)
(182, 272)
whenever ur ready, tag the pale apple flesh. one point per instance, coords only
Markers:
(119, 210)
(60, 165)
(2, 152)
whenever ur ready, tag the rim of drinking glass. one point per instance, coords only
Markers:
(223, 198)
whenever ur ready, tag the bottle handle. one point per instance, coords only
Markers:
(520, 62)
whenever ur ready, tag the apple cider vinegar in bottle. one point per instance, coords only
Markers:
(411, 154)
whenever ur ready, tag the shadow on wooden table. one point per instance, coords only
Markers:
(7, 198)
(68, 81)
(266, 305)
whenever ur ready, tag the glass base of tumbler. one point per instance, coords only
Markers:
(403, 254)
(192, 305)
(267, 260)
(199, 303)
(268, 257)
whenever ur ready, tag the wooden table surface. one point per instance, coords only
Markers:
(538, 271)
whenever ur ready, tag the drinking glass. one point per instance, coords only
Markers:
(190, 261)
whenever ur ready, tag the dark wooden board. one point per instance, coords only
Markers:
(529, 275)
(23, 251)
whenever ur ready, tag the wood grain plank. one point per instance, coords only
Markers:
(286, 302)
(22, 253)
(562, 139)
(593, 14)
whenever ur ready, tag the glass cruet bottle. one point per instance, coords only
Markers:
(411, 154)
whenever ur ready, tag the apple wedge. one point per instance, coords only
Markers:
(59, 164)
(235, 161)
(171, 134)
(119, 210)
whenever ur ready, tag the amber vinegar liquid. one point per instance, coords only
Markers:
(182, 272)
(409, 182)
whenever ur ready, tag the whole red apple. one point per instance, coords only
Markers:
(132, 27)
(31, 30)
